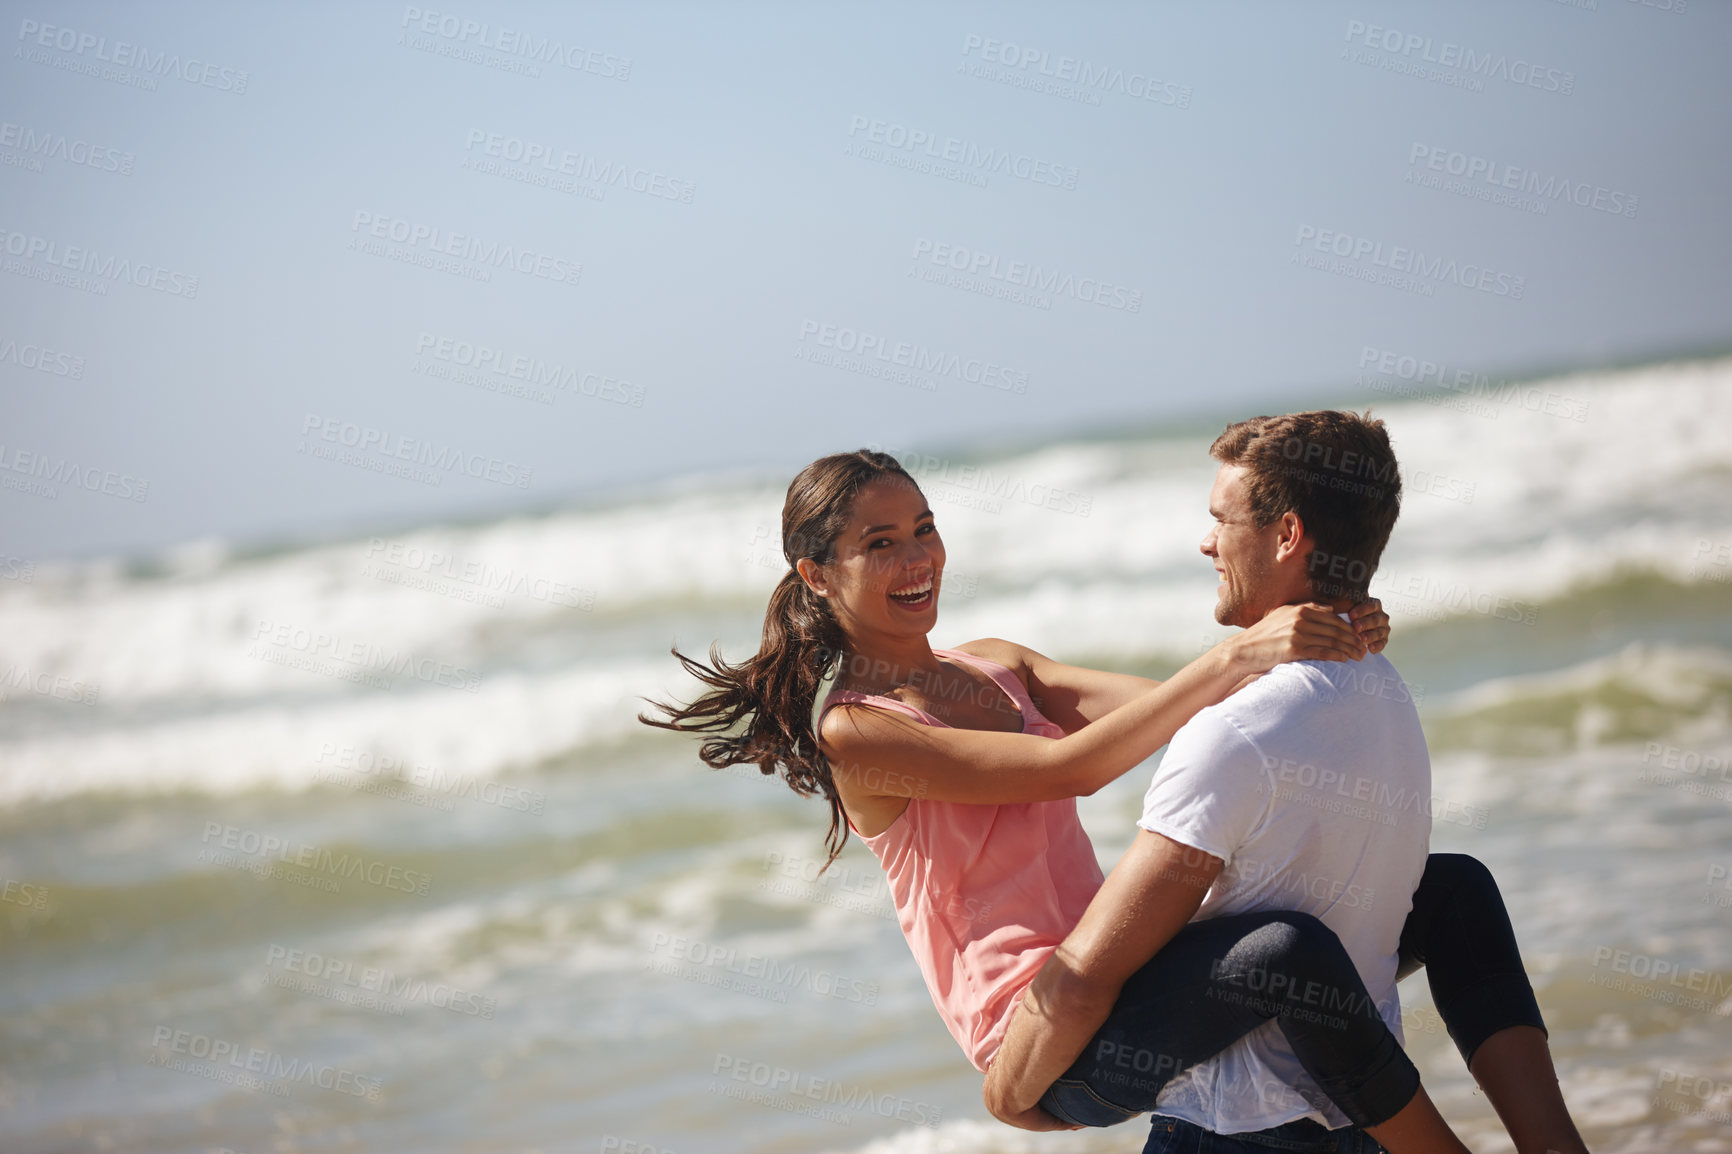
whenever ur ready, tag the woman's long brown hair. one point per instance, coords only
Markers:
(761, 708)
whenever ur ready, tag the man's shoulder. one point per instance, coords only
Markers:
(1296, 690)
(1296, 684)
(1289, 686)
(1372, 682)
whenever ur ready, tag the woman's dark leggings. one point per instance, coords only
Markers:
(1219, 979)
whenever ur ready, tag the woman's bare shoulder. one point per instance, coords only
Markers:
(1006, 653)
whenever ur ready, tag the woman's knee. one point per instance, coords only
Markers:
(1459, 875)
(1292, 942)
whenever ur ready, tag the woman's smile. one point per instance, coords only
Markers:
(916, 594)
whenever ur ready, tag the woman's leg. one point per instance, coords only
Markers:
(1461, 933)
(1215, 982)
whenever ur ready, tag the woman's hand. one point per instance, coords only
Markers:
(1306, 632)
(1372, 623)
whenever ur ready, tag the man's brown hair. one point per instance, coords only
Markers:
(1337, 472)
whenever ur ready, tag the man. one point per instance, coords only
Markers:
(1308, 791)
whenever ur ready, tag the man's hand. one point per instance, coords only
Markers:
(1033, 1118)
(1148, 898)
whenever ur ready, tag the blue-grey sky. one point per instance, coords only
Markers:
(1044, 217)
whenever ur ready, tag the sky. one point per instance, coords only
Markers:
(288, 272)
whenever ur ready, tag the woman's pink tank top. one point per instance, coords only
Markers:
(984, 893)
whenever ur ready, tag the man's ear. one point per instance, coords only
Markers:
(1292, 538)
(813, 576)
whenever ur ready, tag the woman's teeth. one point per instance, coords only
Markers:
(913, 594)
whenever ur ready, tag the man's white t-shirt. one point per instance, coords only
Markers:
(1313, 785)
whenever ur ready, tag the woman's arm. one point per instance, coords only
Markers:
(903, 758)
(1152, 892)
(1072, 696)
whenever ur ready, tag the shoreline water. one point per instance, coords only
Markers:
(1571, 626)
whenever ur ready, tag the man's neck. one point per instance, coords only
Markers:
(1339, 604)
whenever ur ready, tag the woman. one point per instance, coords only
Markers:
(965, 790)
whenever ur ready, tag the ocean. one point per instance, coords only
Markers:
(356, 845)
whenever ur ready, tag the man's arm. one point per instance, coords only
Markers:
(1150, 895)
